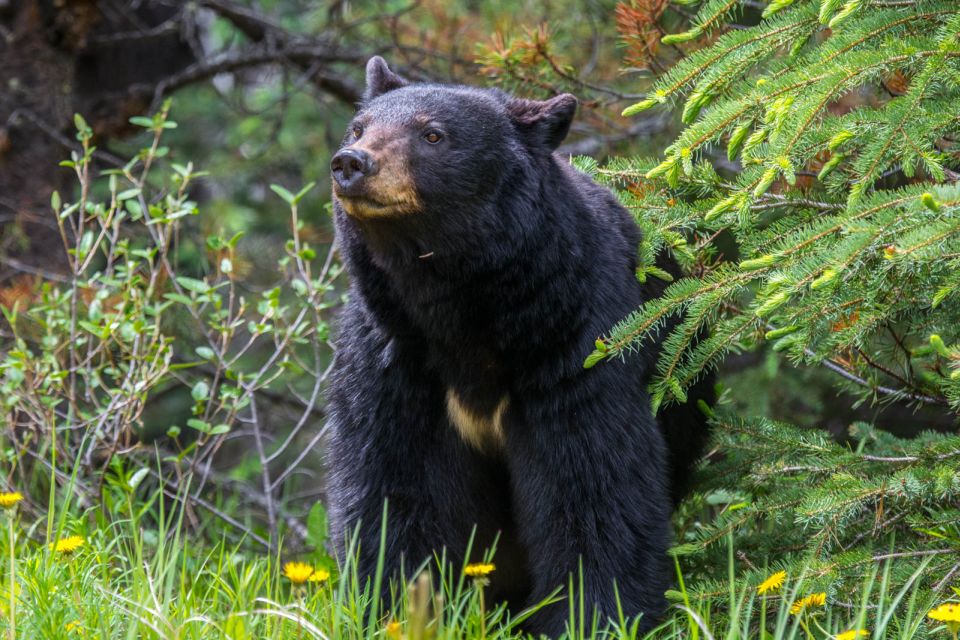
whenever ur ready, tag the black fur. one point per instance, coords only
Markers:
(499, 286)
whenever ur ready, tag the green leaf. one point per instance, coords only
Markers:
(304, 191)
(142, 121)
(192, 284)
(317, 526)
(200, 391)
(288, 197)
(206, 353)
(199, 425)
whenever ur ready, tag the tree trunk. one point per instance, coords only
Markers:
(57, 58)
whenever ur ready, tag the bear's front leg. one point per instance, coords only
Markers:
(590, 490)
(390, 441)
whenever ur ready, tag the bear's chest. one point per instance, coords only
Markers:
(479, 425)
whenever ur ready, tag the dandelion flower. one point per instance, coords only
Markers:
(772, 583)
(9, 500)
(813, 600)
(949, 614)
(297, 572)
(320, 575)
(75, 627)
(67, 545)
(852, 634)
(393, 630)
(478, 570)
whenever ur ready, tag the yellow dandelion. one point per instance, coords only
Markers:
(74, 627)
(949, 614)
(320, 575)
(852, 634)
(478, 570)
(393, 630)
(9, 500)
(67, 545)
(297, 572)
(772, 583)
(813, 600)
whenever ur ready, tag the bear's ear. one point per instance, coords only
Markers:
(380, 79)
(543, 123)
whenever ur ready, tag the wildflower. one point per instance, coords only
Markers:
(852, 634)
(772, 583)
(813, 600)
(478, 570)
(949, 614)
(320, 575)
(74, 627)
(67, 545)
(393, 630)
(297, 572)
(9, 500)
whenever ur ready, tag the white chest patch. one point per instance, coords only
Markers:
(482, 432)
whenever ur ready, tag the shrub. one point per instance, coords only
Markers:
(151, 365)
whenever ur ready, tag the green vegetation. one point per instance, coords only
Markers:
(143, 574)
(813, 195)
(164, 395)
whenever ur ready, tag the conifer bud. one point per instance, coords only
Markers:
(661, 168)
(937, 343)
(786, 342)
(772, 303)
(786, 166)
(846, 12)
(830, 165)
(838, 139)
(775, 6)
(593, 359)
(737, 139)
(686, 159)
(765, 181)
(827, 8)
(930, 202)
(695, 103)
(721, 207)
(796, 47)
(677, 390)
(643, 105)
(758, 263)
(825, 278)
(754, 141)
(779, 333)
(676, 38)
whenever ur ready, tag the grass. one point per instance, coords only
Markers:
(140, 573)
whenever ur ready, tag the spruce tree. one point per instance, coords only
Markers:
(813, 194)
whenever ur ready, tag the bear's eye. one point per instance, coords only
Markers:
(433, 137)
(357, 131)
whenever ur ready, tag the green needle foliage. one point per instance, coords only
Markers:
(813, 195)
(837, 185)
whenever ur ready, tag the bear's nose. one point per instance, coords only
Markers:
(350, 166)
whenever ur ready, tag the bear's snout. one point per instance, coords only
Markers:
(350, 166)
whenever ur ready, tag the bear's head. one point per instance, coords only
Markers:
(427, 153)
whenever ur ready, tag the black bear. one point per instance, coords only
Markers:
(482, 268)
